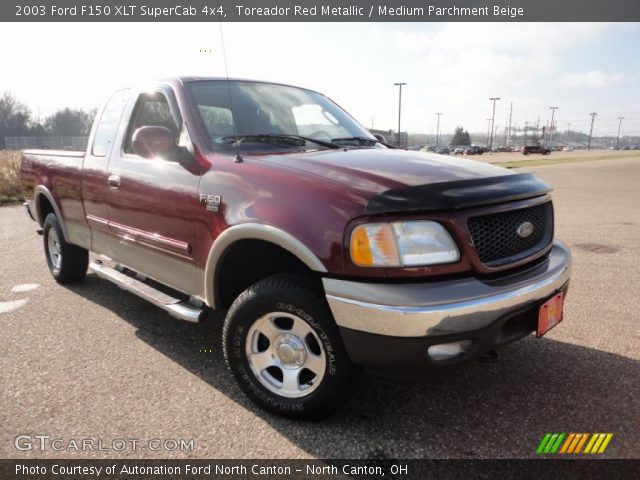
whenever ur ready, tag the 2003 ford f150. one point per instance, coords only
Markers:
(326, 249)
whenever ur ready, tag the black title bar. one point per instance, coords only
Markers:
(320, 11)
(381, 469)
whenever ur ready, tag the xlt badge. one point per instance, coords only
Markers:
(211, 201)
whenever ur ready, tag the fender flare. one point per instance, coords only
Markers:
(42, 190)
(253, 231)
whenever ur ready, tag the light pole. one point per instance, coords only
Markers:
(593, 117)
(493, 121)
(568, 129)
(488, 130)
(399, 107)
(553, 111)
(438, 130)
(619, 127)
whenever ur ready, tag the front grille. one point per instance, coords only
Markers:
(496, 238)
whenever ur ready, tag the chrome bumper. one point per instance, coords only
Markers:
(444, 307)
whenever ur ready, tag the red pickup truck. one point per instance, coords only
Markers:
(326, 249)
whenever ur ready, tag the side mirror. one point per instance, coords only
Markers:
(153, 141)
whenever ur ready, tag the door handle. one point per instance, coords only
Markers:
(114, 181)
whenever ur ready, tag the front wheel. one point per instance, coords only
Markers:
(67, 263)
(284, 348)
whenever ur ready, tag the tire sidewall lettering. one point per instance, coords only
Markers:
(328, 347)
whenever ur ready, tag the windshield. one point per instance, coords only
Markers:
(251, 115)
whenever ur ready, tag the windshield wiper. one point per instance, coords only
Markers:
(293, 140)
(366, 141)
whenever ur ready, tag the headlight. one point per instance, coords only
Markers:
(402, 244)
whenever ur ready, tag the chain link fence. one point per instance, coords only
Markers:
(62, 143)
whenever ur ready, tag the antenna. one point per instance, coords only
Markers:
(238, 158)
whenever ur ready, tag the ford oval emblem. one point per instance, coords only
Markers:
(525, 229)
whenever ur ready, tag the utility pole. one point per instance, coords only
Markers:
(553, 111)
(438, 130)
(399, 107)
(493, 122)
(568, 128)
(619, 127)
(510, 116)
(526, 127)
(537, 126)
(593, 117)
(488, 130)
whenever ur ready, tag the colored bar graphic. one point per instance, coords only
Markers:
(572, 443)
(596, 445)
(592, 440)
(581, 443)
(576, 440)
(555, 447)
(550, 443)
(567, 443)
(605, 443)
(543, 443)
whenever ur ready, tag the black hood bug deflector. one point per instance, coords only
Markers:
(458, 194)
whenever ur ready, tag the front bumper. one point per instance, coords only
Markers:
(388, 325)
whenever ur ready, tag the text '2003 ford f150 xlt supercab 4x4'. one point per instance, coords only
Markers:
(326, 249)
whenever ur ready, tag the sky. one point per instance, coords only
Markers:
(453, 68)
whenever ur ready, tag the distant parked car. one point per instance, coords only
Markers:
(443, 150)
(529, 149)
(474, 150)
(459, 150)
(568, 149)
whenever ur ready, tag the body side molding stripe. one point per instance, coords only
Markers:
(153, 240)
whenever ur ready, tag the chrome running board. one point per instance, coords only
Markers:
(173, 306)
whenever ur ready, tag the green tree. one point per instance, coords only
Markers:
(460, 137)
(15, 118)
(70, 122)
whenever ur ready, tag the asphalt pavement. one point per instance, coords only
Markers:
(93, 362)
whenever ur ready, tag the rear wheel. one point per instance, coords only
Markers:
(67, 263)
(284, 348)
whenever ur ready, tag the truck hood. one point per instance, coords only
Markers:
(388, 181)
(373, 171)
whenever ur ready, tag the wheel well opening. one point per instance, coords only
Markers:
(249, 261)
(44, 208)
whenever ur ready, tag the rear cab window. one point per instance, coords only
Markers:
(109, 123)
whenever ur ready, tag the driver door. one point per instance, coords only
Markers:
(153, 202)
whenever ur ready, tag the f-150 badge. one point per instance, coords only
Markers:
(211, 201)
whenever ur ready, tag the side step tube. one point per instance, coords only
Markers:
(169, 304)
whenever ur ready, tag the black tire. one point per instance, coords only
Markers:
(300, 297)
(67, 263)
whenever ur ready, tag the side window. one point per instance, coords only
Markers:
(151, 110)
(109, 122)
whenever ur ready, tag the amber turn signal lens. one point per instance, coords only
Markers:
(360, 247)
(374, 245)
